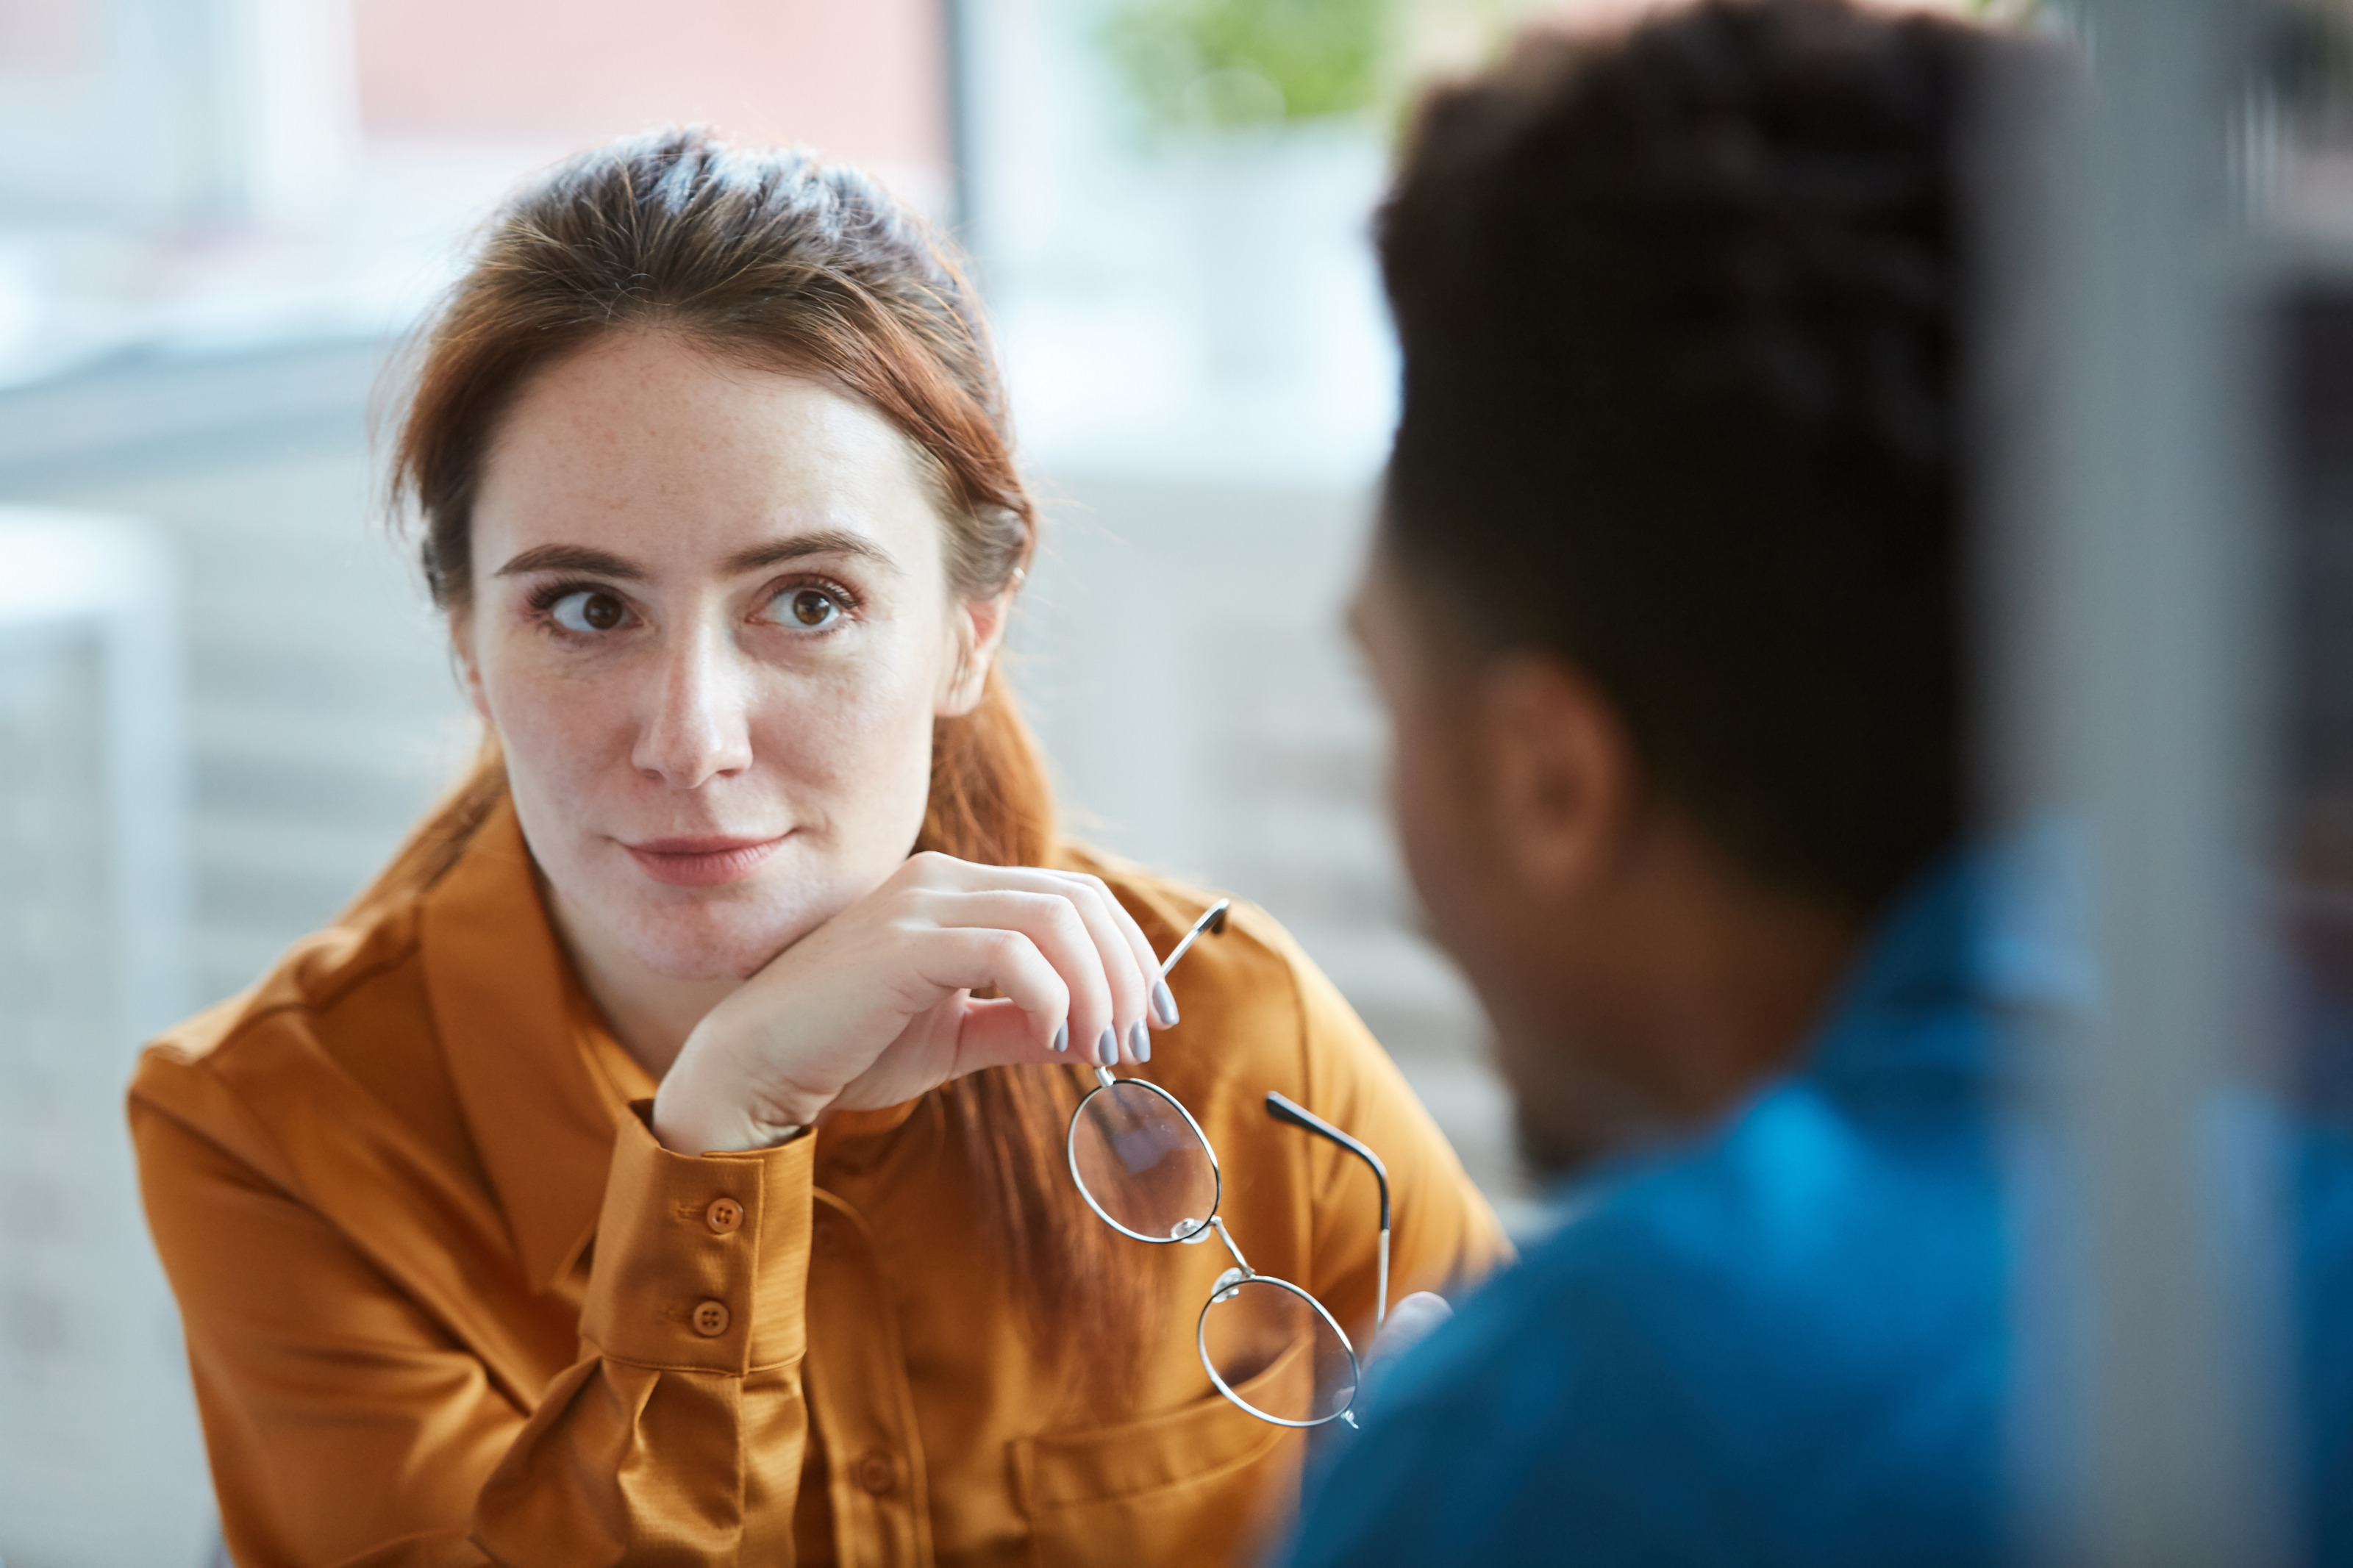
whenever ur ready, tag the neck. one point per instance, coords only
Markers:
(1667, 1000)
(649, 1012)
(1743, 990)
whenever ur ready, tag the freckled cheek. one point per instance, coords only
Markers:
(856, 726)
(558, 720)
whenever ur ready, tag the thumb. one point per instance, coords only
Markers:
(1410, 1322)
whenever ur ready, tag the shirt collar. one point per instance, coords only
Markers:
(1992, 931)
(1984, 936)
(540, 1084)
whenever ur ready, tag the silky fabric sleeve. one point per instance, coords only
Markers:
(347, 1427)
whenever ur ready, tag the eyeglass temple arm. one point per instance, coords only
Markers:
(1213, 921)
(1285, 1108)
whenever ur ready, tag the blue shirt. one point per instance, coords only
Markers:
(1789, 1340)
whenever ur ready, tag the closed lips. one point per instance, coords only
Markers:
(705, 862)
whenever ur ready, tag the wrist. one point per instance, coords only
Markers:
(708, 1105)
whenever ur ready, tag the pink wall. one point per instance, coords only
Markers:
(44, 35)
(864, 80)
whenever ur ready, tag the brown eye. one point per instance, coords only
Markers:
(589, 610)
(810, 607)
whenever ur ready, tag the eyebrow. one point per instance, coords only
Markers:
(596, 563)
(824, 542)
(572, 558)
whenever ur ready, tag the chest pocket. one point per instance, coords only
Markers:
(1205, 1484)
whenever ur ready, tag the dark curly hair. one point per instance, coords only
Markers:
(1682, 309)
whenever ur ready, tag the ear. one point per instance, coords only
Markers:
(1561, 777)
(469, 669)
(978, 626)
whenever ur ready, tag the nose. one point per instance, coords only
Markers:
(699, 728)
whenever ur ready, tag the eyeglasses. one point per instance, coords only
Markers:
(1148, 1170)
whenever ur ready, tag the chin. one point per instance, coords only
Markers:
(708, 940)
(722, 934)
(1570, 1110)
(1552, 1149)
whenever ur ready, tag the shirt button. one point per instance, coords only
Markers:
(711, 1319)
(877, 1474)
(723, 1215)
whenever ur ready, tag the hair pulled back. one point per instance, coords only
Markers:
(773, 260)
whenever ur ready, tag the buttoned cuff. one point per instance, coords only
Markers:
(700, 1262)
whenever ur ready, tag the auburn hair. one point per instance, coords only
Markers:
(775, 259)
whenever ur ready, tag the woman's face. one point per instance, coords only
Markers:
(711, 627)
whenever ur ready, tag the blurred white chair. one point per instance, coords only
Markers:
(100, 1461)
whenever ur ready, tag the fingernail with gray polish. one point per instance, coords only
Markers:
(1164, 1005)
(1107, 1049)
(1139, 1041)
(1062, 1035)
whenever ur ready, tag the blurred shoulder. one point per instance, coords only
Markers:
(1468, 1452)
(1568, 1386)
(348, 992)
(1675, 1280)
(1787, 1221)
(1770, 1333)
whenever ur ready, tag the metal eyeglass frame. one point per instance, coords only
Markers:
(1282, 1109)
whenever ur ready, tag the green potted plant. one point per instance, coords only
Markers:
(1221, 67)
(1267, 117)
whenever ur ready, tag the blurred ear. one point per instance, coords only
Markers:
(978, 626)
(1561, 781)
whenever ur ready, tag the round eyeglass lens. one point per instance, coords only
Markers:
(1274, 1351)
(1141, 1162)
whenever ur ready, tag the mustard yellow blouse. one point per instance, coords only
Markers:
(447, 1301)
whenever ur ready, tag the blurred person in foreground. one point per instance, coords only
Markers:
(1666, 608)
(664, 1161)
